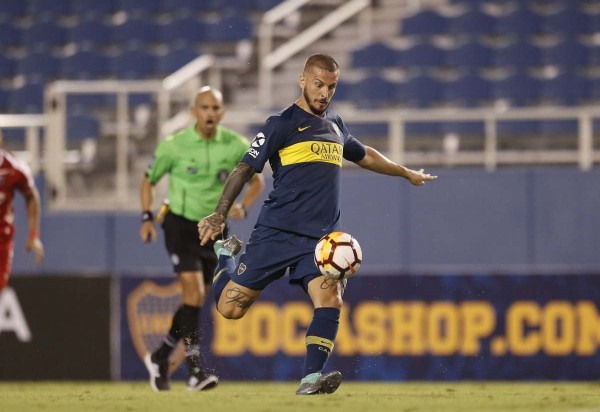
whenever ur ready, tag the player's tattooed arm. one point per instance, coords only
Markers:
(239, 298)
(241, 175)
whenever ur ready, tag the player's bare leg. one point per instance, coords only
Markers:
(233, 300)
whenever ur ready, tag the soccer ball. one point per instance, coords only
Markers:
(338, 255)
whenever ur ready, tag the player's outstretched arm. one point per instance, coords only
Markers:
(377, 162)
(211, 226)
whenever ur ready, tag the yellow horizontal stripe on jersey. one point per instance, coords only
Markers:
(312, 151)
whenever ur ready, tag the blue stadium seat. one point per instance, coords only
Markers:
(93, 9)
(186, 8)
(521, 22)
(10, 35)
(11, 10)
(82, 126)
(343, 91)
(230, 28)
(174, 60)
(139, 8)
(422, 56)
(90, 34)
(39, 66)
(135, 33)
(424, 24)
(469, 91)
(4, 98)
(133, 64)
(44, 35)
(470, 56)
(85, 65)
(27, 99)
(7, 66)
(47, 10)
(566, 89)
(185, 31)
(372, 92)
(472, 23)
(567, 22)
(419, 91)
(519, 89)
(569, 54)
(375, 56)
(518, 55)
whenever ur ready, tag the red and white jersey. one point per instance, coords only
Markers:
(15, 174)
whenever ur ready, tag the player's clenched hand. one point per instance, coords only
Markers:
(419, 177)
(36, 245)
(237, 212)
(210, 227)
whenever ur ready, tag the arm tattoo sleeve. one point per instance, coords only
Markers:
(233, 186)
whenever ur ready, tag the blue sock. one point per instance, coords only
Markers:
(223, 273)
(320, 337)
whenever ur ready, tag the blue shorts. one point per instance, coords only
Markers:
(270, 253)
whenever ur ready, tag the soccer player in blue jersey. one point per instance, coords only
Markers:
(304, 144)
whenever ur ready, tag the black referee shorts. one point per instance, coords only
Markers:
(183, 246)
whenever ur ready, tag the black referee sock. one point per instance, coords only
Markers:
(190, 322)
(170, 341)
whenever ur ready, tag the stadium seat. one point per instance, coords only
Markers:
(372, 92)
(90, 34)
(229, 28)
(7, 66)
(419, 91)
(375, 56)
(39, 66)
(133, 65)
(518, 55)
(85, 65)
(43, 35)
(181, 32)
(569, 55)
(424, 24)
(473, 23)
(11, 10)
(48, 10)
(135, 33)
(27, 99)
(138, 8)
(521, 22)
(186, 8)
(4, 97)
(174, 60)
(567, 89)
(91, 10)
(567, 22)
(471, 56)
(82, 126)
(519, 89)
(422, 56)
(10, 35)
(468, 91)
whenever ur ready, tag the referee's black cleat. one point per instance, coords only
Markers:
(159, 372)
(327, 383)
(228, 247)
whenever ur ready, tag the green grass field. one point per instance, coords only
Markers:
(275, 397)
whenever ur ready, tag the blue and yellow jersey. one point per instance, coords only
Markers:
(305, 153)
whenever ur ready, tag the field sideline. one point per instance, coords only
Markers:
(269, 396)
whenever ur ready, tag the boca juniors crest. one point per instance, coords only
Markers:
(150, 309)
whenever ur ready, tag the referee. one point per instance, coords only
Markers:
(198, 161)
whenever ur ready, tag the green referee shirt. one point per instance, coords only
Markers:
(197, 169)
